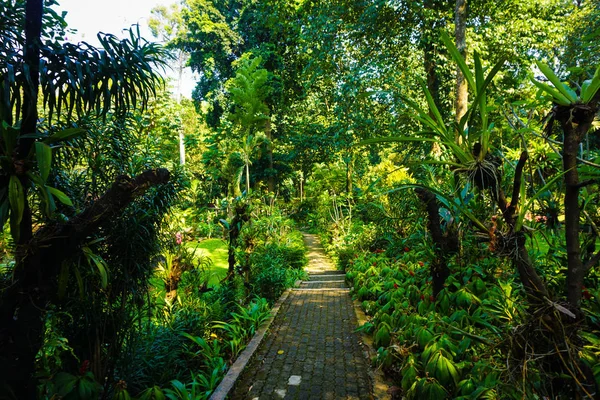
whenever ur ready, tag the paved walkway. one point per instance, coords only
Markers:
(311, 351)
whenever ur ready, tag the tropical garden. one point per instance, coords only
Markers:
(447, 154)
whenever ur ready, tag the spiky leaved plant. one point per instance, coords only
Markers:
(74, 80)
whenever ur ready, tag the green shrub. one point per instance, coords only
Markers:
(157, 356)
(270, 283)
(275, 268)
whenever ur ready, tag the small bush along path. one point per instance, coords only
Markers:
(312, 351)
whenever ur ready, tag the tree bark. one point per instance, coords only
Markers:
(181, 147)
(575, 122)
(534, 285)
(349, 171)
(31, 57)
(23, 305)
(462, 93)
(247, 177)
(241, 216)
(444, 245)
(17, 369)
(271, 177)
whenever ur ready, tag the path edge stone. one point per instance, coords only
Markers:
(240, 363)
(380, 385)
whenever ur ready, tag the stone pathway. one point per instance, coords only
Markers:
(311, 351)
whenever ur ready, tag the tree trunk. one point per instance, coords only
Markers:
(181, 147)
(462, 93)
(23, 305)
(271, 177)
(534, 285)
(247, 178)
(349, 167)
(21, 325)
(444, 245)
(575, 122)
(180, 66)
(31, 58)
(235, 227)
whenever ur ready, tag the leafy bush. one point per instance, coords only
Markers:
(276, 263)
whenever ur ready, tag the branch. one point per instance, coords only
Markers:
(551, 141)
(57, 242)
(591, 222)
(587, 183)
(117, 197)
(591, 262)
(514, 201)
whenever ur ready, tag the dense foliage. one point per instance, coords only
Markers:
(99, 277)
(447, 153)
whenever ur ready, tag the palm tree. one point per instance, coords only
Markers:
(251, 114)
(250, 143)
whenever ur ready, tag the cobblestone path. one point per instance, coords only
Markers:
(311, 351)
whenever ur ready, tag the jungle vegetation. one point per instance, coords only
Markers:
(447, 152)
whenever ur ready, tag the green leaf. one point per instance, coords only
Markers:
(43, 154)
(65, 383)
(224, 223)
(590, 87)
(16, 197)
(450, 203)
(99, 263)
(9, 134)
(63, 279)
(527, 206)
(433, 108)
(79, 282)
(50, 205)
(4, 212)
(481, 95)
(566, 91)
(458, 58)
(477, 103)
(558, 97)
(63, 198)
(65, 134)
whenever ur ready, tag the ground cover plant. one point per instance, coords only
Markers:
(422, 316)
(216, 250)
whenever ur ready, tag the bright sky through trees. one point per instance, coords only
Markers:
(112, 16)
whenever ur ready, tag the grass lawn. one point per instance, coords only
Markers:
(216, 249)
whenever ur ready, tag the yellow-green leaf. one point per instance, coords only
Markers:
(566, 91)
(16, 198)
(63, 198)
(65, 134)
(556, 95)
(43, 154)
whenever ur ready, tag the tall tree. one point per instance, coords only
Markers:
(460, 33)
(250, 114)
(166, 24)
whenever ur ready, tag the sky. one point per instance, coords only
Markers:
(112, 16)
